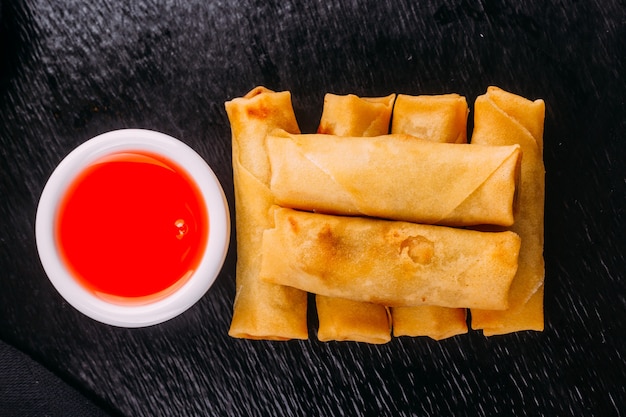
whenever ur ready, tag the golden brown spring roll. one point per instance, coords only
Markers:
(526, 316)
(437, 118)
(341, 319)
(261, 310)
(349, 320)
(351, 115)
(503, 118)
(395, 177)
(433, 321)
(392, 263)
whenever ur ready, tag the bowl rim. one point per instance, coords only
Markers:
(211, 263)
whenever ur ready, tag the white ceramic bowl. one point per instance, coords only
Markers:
(160, 310)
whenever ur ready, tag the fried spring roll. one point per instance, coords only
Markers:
(503, 118)
(341, 319)
(395, 177)
(433, 321)
(392, 263)
(436, 118)
(351, 115)
(261, 310)
(348, 320)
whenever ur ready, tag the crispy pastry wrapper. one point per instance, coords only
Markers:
(341, 319)
(433, 321)
(395, 177)
(503, 118)
(521, 317)
(348, 320)
(261, 310)
(351, 115)
(436, 118)
(391, 263)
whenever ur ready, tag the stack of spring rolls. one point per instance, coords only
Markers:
(387, 214)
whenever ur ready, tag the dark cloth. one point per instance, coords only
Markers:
(29, 389)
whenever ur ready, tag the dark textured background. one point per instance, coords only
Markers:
(70, 70)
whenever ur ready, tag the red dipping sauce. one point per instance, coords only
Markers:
(132, 227)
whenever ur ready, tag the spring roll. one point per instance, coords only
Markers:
(348, 320)
(395, 177)
(503, 118)
(341, 319)
(436, 118)
(432, 321)
(351, 115)
(261, 310)
(392, 263)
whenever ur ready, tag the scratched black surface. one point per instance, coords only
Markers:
(70, 70)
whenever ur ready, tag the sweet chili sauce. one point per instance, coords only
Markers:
(132, 226)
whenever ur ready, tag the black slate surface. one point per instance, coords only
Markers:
(70, 70)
